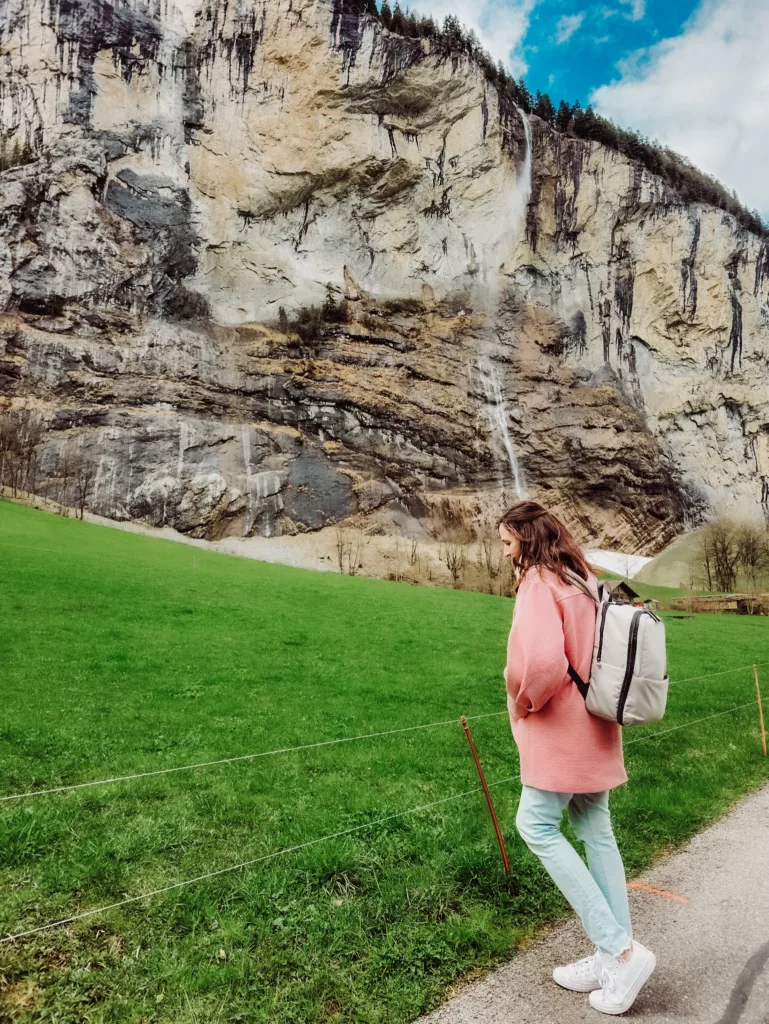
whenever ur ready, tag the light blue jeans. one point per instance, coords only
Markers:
(598, 895)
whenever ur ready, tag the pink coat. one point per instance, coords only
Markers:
(562, 747)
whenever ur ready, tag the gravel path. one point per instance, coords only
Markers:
(712, 951)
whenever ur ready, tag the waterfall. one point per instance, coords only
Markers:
(496, 411)
(520, 199)
(495, 406)
(245, 438)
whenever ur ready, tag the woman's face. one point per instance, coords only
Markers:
(511, 545)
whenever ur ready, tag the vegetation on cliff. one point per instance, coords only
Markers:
(14, 154)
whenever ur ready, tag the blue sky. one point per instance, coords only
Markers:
(691, 74)
(571, 49)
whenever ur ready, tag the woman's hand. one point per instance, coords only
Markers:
(519, 712)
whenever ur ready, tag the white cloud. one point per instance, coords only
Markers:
(499, 24)
(567, 26)
(637, 8)
(705, 93)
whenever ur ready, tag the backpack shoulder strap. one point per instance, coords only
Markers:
(576, 678)
(582, 584)
(580, 683)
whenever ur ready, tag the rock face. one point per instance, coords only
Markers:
(500, 300)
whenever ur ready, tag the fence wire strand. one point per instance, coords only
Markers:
(333, 835)
(248, 863)
(696, 721)
(304, 746)
(241, 757)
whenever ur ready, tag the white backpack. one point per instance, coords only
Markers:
(628, 681)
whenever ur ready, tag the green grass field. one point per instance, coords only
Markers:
(123, 654)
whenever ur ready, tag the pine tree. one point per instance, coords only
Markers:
(398, 21)
(329, 306)
(584, 122)
(386, 15)
(452, 32)
(524, 96)
(543, 107)
(563, 117)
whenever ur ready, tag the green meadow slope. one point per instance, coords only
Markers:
(670, 568)
(123, 654)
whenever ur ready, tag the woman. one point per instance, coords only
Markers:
(569, 758)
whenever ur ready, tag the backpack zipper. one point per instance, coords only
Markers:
(604, 610)
(632, 649)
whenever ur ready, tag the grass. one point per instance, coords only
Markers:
(123, 654)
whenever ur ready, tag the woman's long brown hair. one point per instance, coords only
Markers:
(545, 541)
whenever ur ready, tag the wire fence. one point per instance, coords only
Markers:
(242, 757)
(304, 746)
(334, 835)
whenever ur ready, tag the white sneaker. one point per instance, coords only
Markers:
(582, 976)
(622, 981)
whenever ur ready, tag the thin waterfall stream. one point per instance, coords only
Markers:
(496, 411)
(496, 406)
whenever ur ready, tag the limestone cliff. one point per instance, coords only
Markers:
(190, 168)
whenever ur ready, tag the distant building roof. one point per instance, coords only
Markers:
(619, 587)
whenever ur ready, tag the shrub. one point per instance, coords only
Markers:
(309, 322)
(16, 155)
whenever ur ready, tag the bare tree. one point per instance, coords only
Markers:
(414, 557)
(32, 430)
(355, 555)
(7, 445)
(456, 559)
(627, 563)
(83, 469)
(507, 580)
(718, 555)
(21, 434)
(64, 473)
(492, 555)
(349, 549)
(692, 573)
(398, 571)
(341, 546)
(703, 559)
(489, 556)
(753, 553)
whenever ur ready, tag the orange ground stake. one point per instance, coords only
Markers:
(760, 709)
(492, 812)
(660, 892)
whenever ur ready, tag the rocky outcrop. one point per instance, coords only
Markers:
(673, 298)
(200, 172)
